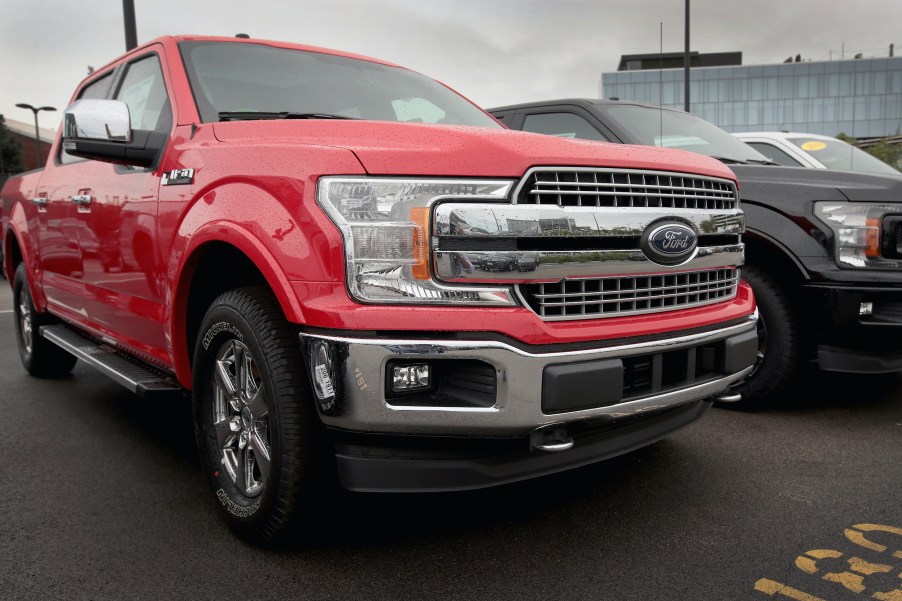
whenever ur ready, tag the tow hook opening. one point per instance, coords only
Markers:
(550, 439)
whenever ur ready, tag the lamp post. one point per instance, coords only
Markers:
(37, 135)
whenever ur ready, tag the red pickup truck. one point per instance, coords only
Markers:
(358, 273)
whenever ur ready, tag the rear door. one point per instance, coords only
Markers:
(59, 249)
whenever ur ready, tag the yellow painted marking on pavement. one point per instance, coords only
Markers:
(855, 582)
(860, 539)
(895, 595)
(808, 565)
(854, 579)
(770, 587)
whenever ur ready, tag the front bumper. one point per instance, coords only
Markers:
(374, 465)
(506, 390)
(848, 341)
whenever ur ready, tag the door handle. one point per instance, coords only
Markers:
(40, 201)
(82, 200)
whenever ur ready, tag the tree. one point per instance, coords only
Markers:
(10, 151)
(889, 153)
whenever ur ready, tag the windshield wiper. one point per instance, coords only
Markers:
(729, 161)
(760, 162)
(257, 115)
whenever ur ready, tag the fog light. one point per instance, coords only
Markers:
(866, 309)
(323, 376)
(406, 378)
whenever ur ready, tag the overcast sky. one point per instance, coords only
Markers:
(493, 51)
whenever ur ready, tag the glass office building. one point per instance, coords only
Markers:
(859, 97)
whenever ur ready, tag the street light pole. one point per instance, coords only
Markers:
(686, 61)
(131, 28)
(37, 134)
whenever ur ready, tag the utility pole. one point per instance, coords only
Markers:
(686, 63)
(131, 29)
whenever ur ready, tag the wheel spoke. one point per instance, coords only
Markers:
(226, 431)
(247, 476)
(261, 453)
(240, 368)
(25, 320)
(257, 405)
(248, 384)
(224, 378)
(230, 463)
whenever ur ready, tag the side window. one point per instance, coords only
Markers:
(563, 125)
(99, 89)
(775, 154)
(96, 90)
(144, 91)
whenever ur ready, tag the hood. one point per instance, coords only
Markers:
(389, 148)
(816, 184)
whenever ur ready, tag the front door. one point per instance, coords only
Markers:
(117, 217)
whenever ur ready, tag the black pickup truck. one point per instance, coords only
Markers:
(823, 248)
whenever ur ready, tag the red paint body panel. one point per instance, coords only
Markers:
(388, 148)
(124, 269)
(327, 305)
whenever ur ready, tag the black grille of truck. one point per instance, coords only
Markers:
(603, 188)
(610, 296)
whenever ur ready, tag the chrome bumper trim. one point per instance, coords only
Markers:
(519, 384)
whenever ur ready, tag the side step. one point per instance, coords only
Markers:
(144, 380)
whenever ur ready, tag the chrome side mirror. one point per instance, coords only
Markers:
(106, 120)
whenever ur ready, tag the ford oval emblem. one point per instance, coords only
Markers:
(669, 243)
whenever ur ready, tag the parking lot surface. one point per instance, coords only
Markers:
(104, 499)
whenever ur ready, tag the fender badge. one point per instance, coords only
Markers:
(178, 177)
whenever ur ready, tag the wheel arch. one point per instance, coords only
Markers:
(763, 251)
(17, 248)
(216, 264)
(12, 254)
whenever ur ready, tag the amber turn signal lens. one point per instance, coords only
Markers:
(420, 216)
(873, 238)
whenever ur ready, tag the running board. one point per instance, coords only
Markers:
(143, 380)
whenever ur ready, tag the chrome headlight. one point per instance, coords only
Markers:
(858, 230)
(385, 223)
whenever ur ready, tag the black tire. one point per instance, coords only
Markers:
(41, 358)
(780, 345)
(246, 327)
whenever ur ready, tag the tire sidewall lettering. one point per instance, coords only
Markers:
(218, 328)
(239, 511)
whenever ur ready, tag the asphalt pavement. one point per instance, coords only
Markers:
(103, 498)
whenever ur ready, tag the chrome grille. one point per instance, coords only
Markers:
(622, 188)
(616, 296)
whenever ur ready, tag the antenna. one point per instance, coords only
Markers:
(661, 82)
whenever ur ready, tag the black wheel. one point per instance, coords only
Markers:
(780, 345)
(40, 357)
(253, 414)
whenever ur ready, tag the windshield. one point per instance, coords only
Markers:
(836, 154)
(255, 78)
(673, 129)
